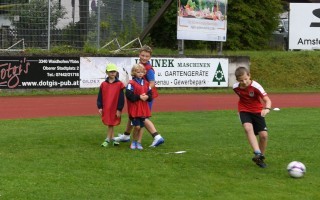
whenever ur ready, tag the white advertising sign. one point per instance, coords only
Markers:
(169, 72)
(304, 26)
(202, 20)
(191, 72)
(93, 70)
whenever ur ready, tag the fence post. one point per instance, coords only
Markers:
(98, 27)
(49, 14)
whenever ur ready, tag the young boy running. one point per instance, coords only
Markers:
(252, 112)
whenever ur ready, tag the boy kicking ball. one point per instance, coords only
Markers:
(252, 113)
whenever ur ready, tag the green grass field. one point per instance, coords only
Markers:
(61, 158)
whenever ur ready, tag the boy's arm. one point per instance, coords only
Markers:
(267, 102)
(120, 100)
(149, 93)
(130, 94)
(267, 106)
(151, 78)
(99, 99)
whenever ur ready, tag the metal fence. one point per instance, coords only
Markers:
(45, 24)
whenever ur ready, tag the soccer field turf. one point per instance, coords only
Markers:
(61, 158)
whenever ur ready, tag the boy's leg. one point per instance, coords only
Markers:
(139, 144)
(157, 139)
(125, 137)
(263, 140)
(252, 139)
(259, 157)
(135, 136)
(109, 137)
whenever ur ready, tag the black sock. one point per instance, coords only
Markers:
(126, 133)
(154, 134)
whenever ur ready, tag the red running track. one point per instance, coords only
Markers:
(54, 106)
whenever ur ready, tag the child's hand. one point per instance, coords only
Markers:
(118, 114)
(144, 97)
(264, 112)
(100, 111)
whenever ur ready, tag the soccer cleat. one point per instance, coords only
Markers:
(133, 145)
(105, 144)
(258, 159)
(139, 146)
(157, 141)
(122, 138)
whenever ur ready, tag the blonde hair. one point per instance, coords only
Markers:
(146, 48)
(137, 67)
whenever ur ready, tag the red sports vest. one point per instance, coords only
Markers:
(148, 67)
(139, 108)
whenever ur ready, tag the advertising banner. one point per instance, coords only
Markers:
(36, 72)
(304, 26)
(169, 72)
(202, 20)
(93, 70)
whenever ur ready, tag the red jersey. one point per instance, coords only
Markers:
(110, 93)
(138, 108)
(148, 67)
(250, 97)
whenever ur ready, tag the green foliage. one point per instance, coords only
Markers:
(61, 158)
(33, 19)
(286, 69)
(166, 27)
(250, 23)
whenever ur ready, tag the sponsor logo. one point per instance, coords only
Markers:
(316, 13)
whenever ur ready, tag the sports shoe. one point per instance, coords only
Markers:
(122, 138)
(133, 145)
(157, 141)
(258, 159)
(115, 143)
(105, 144)
(139, 146)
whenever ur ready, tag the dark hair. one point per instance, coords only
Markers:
(240, 71)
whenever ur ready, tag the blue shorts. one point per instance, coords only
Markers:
(258, 122)
(138, 121)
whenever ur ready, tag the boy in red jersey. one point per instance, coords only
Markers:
(252, 112)
(138, 92)
(144, 59)
(110, 103)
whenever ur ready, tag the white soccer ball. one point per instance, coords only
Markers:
(296, 169)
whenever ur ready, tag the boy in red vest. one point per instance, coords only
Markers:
(110, 103)
(138, 93)
(144, 59)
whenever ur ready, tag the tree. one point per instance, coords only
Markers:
(250, 23)
(164, 33)
(31, 20)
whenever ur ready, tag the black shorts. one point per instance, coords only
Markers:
(258, 122)
(138, 121)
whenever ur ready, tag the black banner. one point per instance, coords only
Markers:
(39, 72)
